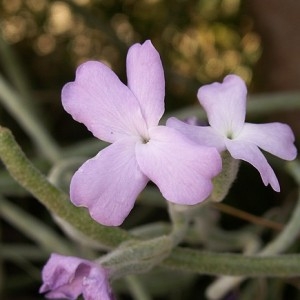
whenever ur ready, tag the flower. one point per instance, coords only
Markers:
(141, 150)
(67, 277)
(225, 105)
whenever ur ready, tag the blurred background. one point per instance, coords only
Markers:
(200, 41)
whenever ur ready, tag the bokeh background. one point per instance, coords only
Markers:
(200, 41)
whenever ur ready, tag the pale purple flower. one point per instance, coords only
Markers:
(225, 105)
(67, 277)
(141, 150)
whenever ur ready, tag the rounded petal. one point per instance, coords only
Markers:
(251, 154)
(99, 100)
(146, 80)
(225, 104)
(202, 135)
(109, 183)
(275, 138)
(180, 168)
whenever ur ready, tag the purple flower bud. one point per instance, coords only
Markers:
(67, 277)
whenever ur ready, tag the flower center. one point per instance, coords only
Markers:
(229, 135)
(144, 137)
(145, 140)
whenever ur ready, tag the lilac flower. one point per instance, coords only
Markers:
(127, 117)
(225, 105)
(67, 277)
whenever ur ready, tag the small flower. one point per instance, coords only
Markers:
(225, 105)
(67, 277)
(141, 150)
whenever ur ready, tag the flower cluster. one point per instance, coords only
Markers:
(181, 158)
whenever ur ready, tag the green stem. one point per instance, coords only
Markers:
(11, 101)
(293, 167)
(181, 259)
(268, 103)
(190, 260)
(223, 181)
(136, 256)
(180, 217)
(287, 236)
(27, 251)
(291, 231)
(14, 71)
(51, 197)
(280, 244)
(34, 228)
(137, 290)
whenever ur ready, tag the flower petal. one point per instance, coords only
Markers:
(180, 168)
(67, 277)
(250, 153)
(99, 100)
(56, 274)
(96, 286)
(225, 104)
(109, 183)
(146, 80)
(202, 135)
(276, 138)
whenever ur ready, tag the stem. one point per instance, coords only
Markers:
(268, 103)
(223, 181)
(137, 290)
(181, 259)
(281, 243)
(287, 236)
(291, 231)
(190, 260)
(26, 251)
(180, 217)
(34, 228)
(243, 215)
(51, 197)
(11, 101)
(14, 71)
